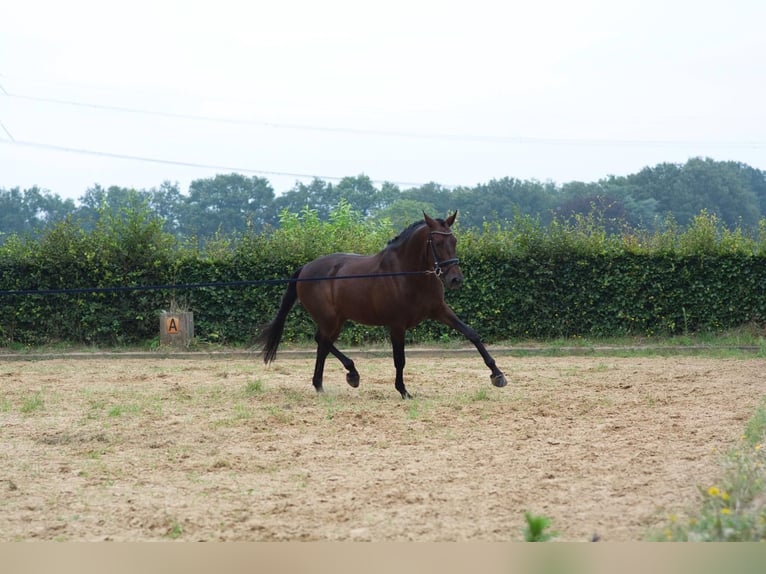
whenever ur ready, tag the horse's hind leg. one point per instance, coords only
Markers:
(352, 377)
(325, 345)
(323, 348)
(397, 343)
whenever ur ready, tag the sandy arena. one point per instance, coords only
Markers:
(198, 449)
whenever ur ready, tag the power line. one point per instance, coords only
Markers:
(5, 129)
(217, 167)
(479, 138)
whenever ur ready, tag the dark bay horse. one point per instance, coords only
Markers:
(413, 269)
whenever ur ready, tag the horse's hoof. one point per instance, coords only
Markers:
(352, 379)
(319, 389)
(498, 380)
(406, 396)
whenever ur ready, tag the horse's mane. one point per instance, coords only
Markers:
(407, 232)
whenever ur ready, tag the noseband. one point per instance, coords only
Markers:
(438, 271)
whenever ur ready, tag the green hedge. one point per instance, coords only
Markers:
(523, 280)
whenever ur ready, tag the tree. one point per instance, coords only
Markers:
(47, 208)
(227, 204)
(362, 196)
(319, 196)
(433, 194)
(30, 210)
(96, 201)
(726, 189)
(723, 188)
(167, 203)
(756, 182)
(502, 199)
(403, 212)
(608, 210)
(14, 215)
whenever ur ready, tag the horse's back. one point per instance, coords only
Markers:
(336, 265)
(328, 277)
(345, 286)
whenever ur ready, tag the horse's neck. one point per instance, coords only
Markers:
(410, 255)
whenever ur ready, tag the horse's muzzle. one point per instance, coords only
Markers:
(453, 280)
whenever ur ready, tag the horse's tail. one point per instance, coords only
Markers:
(271, 334)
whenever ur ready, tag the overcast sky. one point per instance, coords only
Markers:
(136, 93)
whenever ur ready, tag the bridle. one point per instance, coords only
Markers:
(438, 271)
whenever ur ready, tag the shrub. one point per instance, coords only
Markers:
(523, 279)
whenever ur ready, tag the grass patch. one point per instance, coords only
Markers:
(240, 413)
(330, 404)
(119, 410)
(243, 412)
(280, 414)
(32, 403)
(253, 388)
(734, 509)
(414, 410)
(421, 409)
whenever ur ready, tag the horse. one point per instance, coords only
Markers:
(398, 287)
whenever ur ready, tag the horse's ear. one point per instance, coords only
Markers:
(451, 219)
(429, 221)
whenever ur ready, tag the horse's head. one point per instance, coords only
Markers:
(442, 247)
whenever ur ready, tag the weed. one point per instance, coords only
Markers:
(174, 530)
(331, 407)
(242, 412)
(95, 454)
(253, 388)
(32, 404)
(536, 529)
(734, 510)
(279, 414)
(119, 410)
(756, 426)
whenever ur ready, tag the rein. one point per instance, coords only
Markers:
(206, 284)
(438, 271)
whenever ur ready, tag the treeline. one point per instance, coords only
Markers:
(234, 203)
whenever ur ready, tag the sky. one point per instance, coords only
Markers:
(137, 93)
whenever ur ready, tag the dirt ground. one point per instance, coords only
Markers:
(227, 449)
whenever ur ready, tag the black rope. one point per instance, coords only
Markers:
(78, 290)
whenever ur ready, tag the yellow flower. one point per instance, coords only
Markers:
(758, 446)
(724, 496)
(726, 511)
(713, 491)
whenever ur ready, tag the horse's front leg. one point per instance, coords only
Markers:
(397, 342)
(448, 317)
(352, 376)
